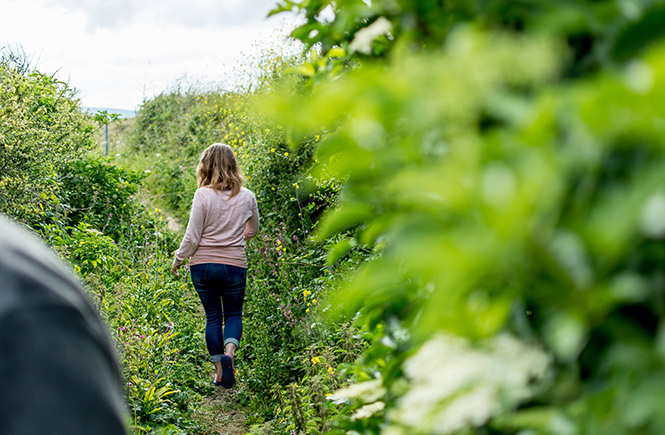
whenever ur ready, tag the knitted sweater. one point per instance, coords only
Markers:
(218, 227)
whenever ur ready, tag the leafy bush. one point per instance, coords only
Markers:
(87, 249)
(41, 129)
(510, 184)
(99, 194)
(489, 184)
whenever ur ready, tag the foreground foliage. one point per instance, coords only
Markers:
(507, 170)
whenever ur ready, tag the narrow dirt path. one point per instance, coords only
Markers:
(174, 224)
(223, 414)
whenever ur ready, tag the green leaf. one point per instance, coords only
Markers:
(639, 35)
(346, 216)
(283, 6)
(336, 52)
(340, 250)
(306, 69)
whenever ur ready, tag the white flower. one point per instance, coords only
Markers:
(367, 392)
(639, 77)
(653, 216)
(464, 411)
(456, 385)
(363, 39)
(368, 410)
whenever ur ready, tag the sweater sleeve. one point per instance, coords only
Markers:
(252, 225)
(190, 242)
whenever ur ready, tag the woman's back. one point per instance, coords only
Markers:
(225, 216)
(218, 226)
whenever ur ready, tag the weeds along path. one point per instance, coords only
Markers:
(172, 222)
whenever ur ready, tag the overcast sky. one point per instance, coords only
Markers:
(119, 52)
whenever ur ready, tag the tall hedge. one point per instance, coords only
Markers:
(41, 129)
(504, 161)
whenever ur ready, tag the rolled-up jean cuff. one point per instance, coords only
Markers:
(216, 358)
(232, 340)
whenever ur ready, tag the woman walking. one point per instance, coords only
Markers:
(224, 216)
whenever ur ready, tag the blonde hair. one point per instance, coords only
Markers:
(218, 168)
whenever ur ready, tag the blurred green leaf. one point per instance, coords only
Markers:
(343, 218)
(339, 250)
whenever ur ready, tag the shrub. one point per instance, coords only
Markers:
(41, 129)
(96, 217)
(508, 183)
(99, 194)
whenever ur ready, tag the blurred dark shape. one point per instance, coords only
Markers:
(58, 371)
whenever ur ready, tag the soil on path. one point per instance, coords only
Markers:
(222, 413)
(174, 224)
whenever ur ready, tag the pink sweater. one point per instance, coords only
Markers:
(218, 227)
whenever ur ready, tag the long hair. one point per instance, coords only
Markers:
(218, 168)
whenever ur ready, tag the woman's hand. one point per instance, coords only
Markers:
(175, 266)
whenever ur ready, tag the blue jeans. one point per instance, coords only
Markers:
(221, 288)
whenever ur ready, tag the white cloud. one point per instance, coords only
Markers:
(118, 53)
(203, 13)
